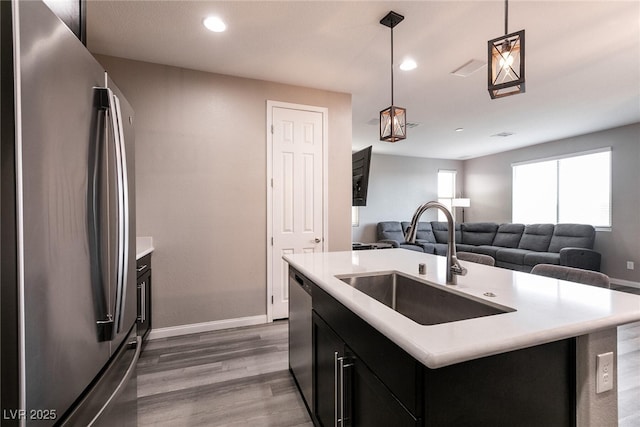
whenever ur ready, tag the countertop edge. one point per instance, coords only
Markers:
(144, 252)
(436, 360)
(144, 246)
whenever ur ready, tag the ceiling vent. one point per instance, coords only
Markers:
(468, 68)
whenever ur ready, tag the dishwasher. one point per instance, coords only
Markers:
(300, 334)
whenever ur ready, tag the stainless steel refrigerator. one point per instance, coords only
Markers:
(67, 209)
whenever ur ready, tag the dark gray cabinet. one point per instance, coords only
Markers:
(328, 350)
(347, 392)
(362, 378)
(143, 271)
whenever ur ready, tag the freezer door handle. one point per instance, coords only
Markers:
(123, 382)
(110, 391)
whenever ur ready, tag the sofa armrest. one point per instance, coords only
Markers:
(586, 259)
(393, 243)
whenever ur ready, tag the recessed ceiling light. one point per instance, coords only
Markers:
(215, 24)
(408, 64)
(459, 129)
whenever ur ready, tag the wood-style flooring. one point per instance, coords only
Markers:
(234, 377)
(240, 377)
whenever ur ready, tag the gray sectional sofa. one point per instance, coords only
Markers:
(514, 246)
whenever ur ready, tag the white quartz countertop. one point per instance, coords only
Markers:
(546, 309)
(144, 246)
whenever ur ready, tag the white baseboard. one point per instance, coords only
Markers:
(622, 282)
(216, 325)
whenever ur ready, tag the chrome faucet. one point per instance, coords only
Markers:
(454, 268)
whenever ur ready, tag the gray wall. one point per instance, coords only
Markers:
(488, 184)
(397, 186)
(201, 184)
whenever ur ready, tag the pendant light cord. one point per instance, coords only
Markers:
(506, 17)
(392, 65)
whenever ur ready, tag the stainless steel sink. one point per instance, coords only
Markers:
(421, 302)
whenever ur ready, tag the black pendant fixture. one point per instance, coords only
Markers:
(506, 62)
(393, 120)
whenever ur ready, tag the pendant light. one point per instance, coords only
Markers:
(393, 120)
(506, 62)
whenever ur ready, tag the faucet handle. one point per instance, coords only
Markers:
(457, 269)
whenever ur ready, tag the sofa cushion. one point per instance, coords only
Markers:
(411, 247)
(428, 247)
(462, 247)
(390, 230)
(487, 250)
(534, 258)
(441, 230)
(440, 248)
(512, 255)
(478, 233)
(508, 235)
(572, 236)
(536, 237)
(424, 233)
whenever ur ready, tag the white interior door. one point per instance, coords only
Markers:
(297, 193)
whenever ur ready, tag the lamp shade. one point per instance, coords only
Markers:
(393, 124)
(506, 65)
(461, 203)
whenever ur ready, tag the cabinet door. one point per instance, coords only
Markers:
(327, 349)
(370, 403)
(144, 304)
(345, 389)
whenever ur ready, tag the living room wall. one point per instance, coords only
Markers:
(487, 181)
(397, 186)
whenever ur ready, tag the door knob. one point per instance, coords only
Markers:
(317, 240)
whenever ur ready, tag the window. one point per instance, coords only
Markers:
(446, 190)
(575, 188)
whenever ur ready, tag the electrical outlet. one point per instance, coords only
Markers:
(605, 372)
(630, 265)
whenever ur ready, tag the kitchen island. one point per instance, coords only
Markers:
(542, 317)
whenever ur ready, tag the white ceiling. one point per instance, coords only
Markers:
(582, 61)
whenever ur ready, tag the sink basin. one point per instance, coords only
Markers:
(419, 301)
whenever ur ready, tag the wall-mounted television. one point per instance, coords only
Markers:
(360, 163)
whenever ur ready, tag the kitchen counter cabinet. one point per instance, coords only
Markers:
(530, 365)
(383, 385)
(143, 273)
(361, 398)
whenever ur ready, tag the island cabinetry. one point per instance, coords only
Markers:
(362, 376)
(359, 397)
(531, 387)
(368, 382)
(143, 272)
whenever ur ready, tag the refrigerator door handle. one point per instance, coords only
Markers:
(123, 382)
(123, 212)
(105, 320)
(113, 323)
(114, 391)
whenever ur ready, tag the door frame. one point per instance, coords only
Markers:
(325, 186)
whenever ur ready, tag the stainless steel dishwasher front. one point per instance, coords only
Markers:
(300, 334)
